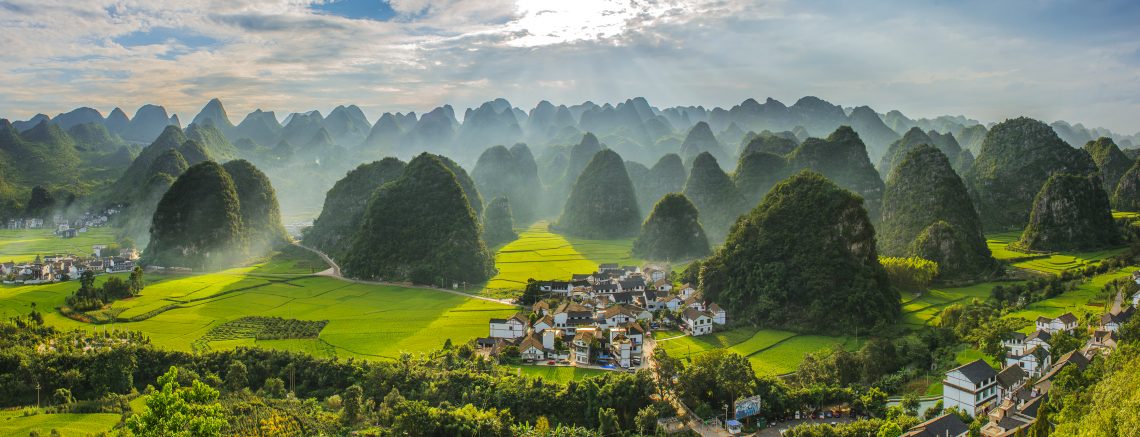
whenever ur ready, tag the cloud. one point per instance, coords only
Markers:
(989, 60)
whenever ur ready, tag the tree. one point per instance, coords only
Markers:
(136, 281)
(608, 422)
(714, 195)
(1062, 343)
(911, 275)
(889, 429)
(260, 214)
(236, 376)
(174, 410)
(353, 400)
(647, 420)
(274, 388)
(1071, 212)
(345, 203)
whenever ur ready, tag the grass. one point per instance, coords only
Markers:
(1049, 263)
(541, 254)
(365, 320)
(25, 244)
(924, 309)
(785, 356)
(968, 355)
(13, 423)
(560, 374)
(771, 352)
(1085, 299)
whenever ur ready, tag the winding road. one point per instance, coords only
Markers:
(334, 272)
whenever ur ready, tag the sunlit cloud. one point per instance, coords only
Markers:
(989, 60)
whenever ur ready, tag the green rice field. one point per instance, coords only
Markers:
(1051, 263)
(14, 423)
(771, 352)
(541, 254)
(561, 374)
(22, 245)
(365, 320)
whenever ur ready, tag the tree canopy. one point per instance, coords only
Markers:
(198, 222)
(420, 228)
(672, 231)
(804, 259)
(1070, 212)
(498, 224)
(922, 190)
(345, 204)
(602, 204)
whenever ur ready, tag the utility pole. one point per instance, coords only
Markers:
(37, 394)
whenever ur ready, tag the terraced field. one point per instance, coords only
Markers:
(771, 352)
(1053, 263)
(923, 309)
(1087, 298)
(541, 254)
(24, 244)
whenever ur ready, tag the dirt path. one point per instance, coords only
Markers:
(334, 272)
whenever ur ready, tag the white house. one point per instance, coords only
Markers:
(697, 322)
(972, 387)
(569, 315)
(514, 327)
(532, 349)
(619, 315)
(1064, 322)
(1116, 316)
(672, 303)
(1031, 361)
(581, 343)
(666, 286)
(1009, 380)
(557, 287)
(1014, 344)
(543, 324)
(622, 351)
(1136, 299)
(687, 290)
(718, 315)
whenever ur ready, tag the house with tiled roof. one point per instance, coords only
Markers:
(946, 425)
(719, 316)
(1065, 322)
(531, 348)
(971, 387)
(513, 327)
(697, 322)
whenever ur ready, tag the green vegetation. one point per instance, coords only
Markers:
(541, 254)
(1126, 197)
(912, 274)
(666, 176)
(1111, 162)
(602, 203)
(511, 174)
(23, 245)
(345, 204)
(198, 221)
(1070, 213)
(700, 139)
(260, 214)
(757, 173)
(838, 283)
(466, 183)
(842, 157)
(928, 213)
(15, 423)
(420, 228)
(498, 222)
(672, 232)
(1016, 159)
(714, 195)
(768, 142)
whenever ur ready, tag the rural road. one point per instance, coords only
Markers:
(334, 272)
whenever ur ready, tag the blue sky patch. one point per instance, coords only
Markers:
(162, 35)
(377, 10)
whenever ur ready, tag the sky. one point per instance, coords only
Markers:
(1049, 59)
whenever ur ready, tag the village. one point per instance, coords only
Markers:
(64, 226)
(1010, 398)
(64, 267)
(603, 319)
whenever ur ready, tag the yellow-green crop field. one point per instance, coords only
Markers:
(14, 423)
(22, 245)
(365, 320)
(771, 352)
(1051, 263)
(541, 254)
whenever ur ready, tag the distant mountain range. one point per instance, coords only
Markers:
(634, 128)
